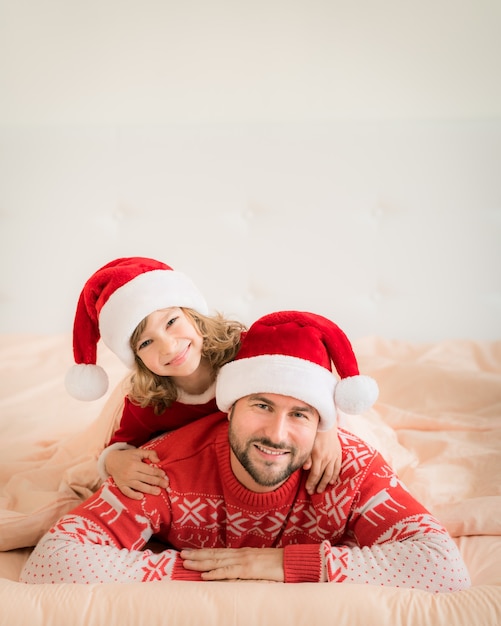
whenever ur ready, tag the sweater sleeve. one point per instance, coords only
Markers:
(137, 425)
(303, 563)
(102, 540)
(101, 460)
(131, 430)
(391, 539)
(428, 561)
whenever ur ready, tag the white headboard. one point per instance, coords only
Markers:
(277, 172)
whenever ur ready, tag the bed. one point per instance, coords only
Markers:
(339, 165)
(437, 420)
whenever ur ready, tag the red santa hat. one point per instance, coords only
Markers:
(291, 353)
(113, 302)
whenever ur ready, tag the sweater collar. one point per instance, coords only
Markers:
(203, 398)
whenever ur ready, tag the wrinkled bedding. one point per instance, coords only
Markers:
(437, 420)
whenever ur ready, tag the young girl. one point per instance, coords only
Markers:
(156, 321)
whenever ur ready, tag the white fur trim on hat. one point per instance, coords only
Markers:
(280, 374)
(130, 304)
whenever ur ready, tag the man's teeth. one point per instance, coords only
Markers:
(269, 451)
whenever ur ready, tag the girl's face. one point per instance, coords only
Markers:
(170, 345)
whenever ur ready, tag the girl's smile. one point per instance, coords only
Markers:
(181, 357)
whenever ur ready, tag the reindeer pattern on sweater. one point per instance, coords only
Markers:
(367, 528)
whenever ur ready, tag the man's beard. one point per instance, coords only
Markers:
(262, 476)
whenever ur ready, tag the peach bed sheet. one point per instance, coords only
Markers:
(438, 421)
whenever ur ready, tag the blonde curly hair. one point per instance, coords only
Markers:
(221, 342)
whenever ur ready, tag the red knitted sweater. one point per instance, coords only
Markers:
(366, 528)
(138, 425)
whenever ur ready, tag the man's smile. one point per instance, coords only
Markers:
(270, 451)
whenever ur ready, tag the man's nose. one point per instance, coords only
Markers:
(276, 429)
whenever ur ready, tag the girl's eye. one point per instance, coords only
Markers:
(171, 321)
(143, 344)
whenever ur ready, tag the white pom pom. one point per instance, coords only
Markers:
(356, 394)
(86, 382)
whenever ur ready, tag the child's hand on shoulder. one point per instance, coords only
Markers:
(325, 461)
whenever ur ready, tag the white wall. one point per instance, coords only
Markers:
(324, 155)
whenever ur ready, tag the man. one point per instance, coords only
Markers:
(237, 506)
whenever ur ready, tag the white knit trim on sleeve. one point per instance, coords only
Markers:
(101, 461)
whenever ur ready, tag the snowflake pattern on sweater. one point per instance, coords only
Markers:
(367, 528)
